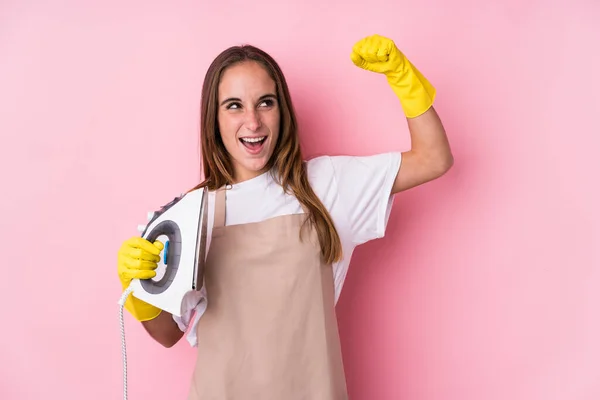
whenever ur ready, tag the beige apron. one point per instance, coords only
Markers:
(269, 331)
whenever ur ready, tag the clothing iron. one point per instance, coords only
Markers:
(181, 226)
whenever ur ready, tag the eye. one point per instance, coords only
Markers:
(267, 103)
(233, 106)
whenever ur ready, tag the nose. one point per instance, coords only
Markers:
(252, 122)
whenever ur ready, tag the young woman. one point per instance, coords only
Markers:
(284, 229)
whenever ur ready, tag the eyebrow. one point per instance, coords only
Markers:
(264, 96)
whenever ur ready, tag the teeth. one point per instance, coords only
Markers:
(253, 140)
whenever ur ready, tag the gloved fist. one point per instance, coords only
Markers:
(379, 54)
(138, 259)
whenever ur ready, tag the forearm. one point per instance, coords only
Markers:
(163, 329)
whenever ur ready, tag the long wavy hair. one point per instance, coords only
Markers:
(286, 164)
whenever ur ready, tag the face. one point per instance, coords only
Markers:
(248, 118)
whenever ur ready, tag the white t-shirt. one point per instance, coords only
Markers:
(354, 190)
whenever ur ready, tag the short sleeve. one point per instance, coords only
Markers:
(364, 191)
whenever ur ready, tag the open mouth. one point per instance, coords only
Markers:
(253, 144)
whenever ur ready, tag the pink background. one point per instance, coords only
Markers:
(487, 284)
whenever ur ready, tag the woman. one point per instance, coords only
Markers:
(284, 229)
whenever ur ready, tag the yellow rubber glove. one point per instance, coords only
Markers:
(138, 259)
(379, 54)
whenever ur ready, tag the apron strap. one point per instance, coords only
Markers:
(219, 208)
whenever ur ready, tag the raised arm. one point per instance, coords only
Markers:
(430, 155)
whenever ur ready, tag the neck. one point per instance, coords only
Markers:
(245, 175)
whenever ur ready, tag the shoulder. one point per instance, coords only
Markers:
(319, 163)
(321, 177)
(328, 167)
(350, 180)
(319, 169)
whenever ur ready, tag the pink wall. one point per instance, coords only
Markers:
(486, 286)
